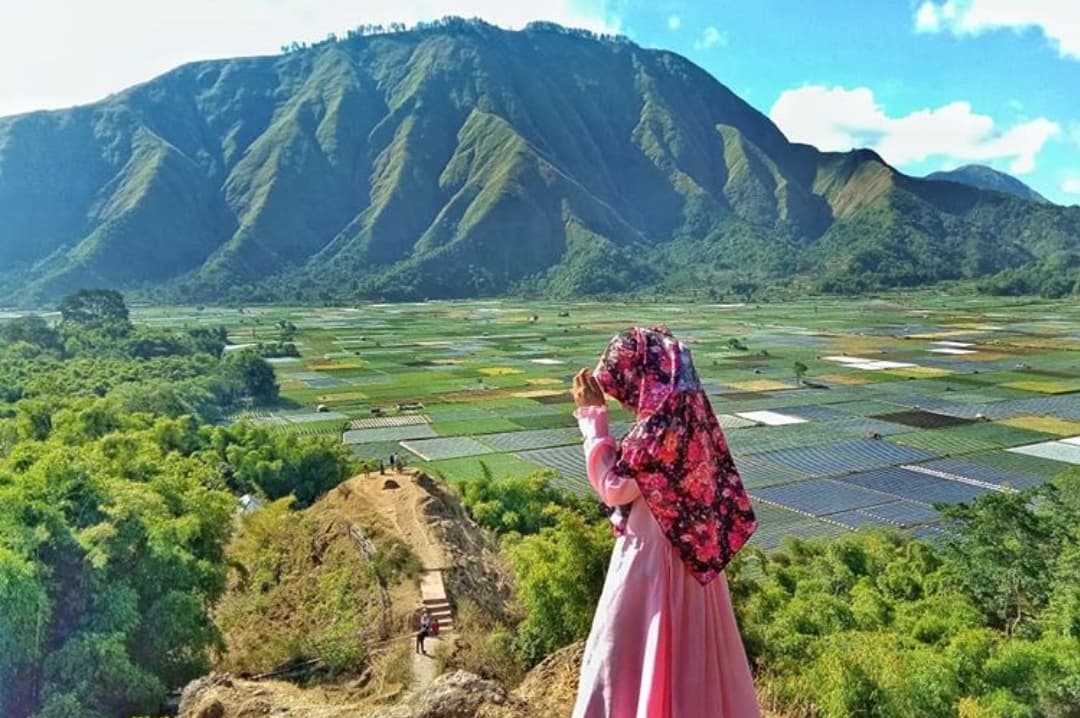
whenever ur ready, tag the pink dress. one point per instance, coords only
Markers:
(661, 645)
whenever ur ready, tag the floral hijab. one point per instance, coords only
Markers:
(676, 451)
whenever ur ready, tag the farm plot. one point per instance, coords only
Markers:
(757, 471)
(763, 439)
(845, 457)
(383, 422)
(1062, 451)
(494, 388)
(903, 514)
(820, 497)
(915, 486)
(537, 439)
(976, 473)
(389, 433)
(568, 461)
(942, 443)
(501, 466)
(445, 448)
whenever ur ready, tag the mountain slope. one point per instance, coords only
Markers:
(984, 177)
(460, 159)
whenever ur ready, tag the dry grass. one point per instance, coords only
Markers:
(759, 385)
(847, 379)
(1046, 424)
(920, 372)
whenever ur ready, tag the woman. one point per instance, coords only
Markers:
(664, 643)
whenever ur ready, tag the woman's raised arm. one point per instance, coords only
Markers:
(600, 455)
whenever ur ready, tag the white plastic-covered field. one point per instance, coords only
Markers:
(449, 447)
(382, 422)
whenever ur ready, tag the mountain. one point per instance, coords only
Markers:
(985, 177)
(460, 159)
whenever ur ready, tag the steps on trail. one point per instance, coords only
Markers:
(441, 610)
(433, 595)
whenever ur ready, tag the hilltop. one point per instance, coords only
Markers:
(425, 515)
(428, 517)
(989, 178)
(460, 159)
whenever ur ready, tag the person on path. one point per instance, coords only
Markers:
(664, 642)
(425, 630)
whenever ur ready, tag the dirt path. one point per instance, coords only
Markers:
(376, 501)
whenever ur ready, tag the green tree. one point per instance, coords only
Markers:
(95, 308)
(252, 376)
(800, 371)
(23, 620)
(560, 573)
(996, 559)
(31, 330)
(516, 504)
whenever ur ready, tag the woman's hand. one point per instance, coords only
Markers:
(587, 391)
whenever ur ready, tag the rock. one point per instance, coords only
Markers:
(551, 687)
(451, 695)
(458, 695)
(212, 710)
(390, 484)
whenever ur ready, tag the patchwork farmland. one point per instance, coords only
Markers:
(897, 406)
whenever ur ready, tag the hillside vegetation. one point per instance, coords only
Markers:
(459, 159)
(117, 499)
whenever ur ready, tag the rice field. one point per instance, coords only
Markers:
(906, 402)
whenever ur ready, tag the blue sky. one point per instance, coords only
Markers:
(930, 84)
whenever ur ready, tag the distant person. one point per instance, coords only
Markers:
(382, 468)
(664, 642)
(424, 632)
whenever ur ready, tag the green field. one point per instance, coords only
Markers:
(906, 403)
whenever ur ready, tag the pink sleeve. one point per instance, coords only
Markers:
(600, 454)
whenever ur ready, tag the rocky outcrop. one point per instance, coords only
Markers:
(452, 695)
(459, 695)
(475, 569)
(550, 688)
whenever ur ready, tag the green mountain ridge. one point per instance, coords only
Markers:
(459, 159)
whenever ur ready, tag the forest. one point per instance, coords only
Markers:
(117, 497)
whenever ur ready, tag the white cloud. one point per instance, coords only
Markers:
(927, 18)
(1058, 20)
(674, 22)
(1071, 184)
(839, 119)
(70, 52)
(1074, 133)
(710, 38)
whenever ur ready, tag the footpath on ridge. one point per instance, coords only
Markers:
(392, 502)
